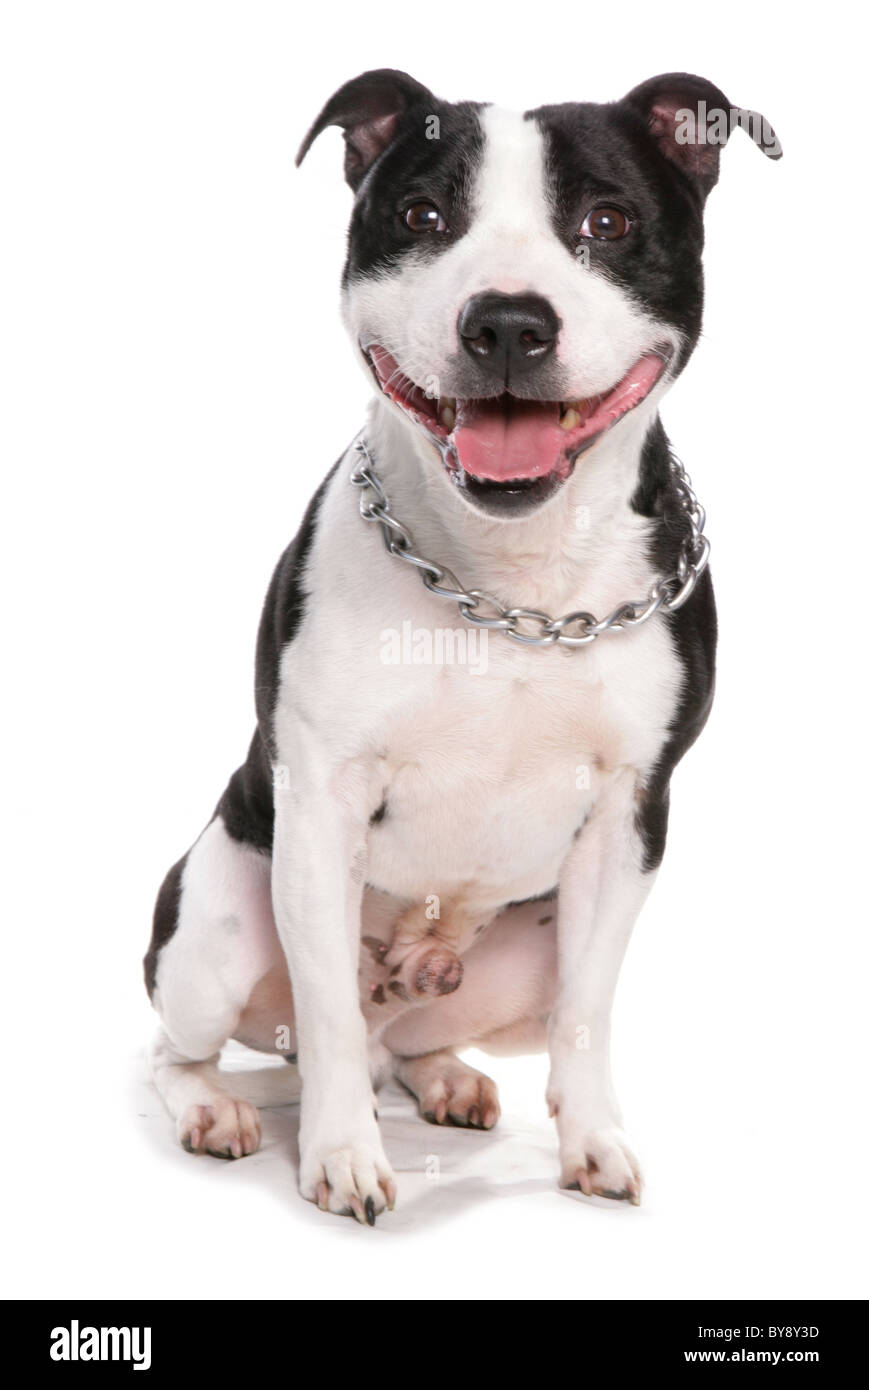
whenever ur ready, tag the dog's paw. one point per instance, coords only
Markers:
(226, 1128)
(351, 1179)
(449, 1091)
(600, 1164)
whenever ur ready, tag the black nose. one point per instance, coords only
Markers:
(508, 334)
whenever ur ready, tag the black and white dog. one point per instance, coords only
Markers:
(438, 851)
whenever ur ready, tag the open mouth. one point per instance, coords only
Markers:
(508, 453)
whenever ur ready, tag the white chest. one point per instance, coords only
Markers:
(487, 777)
(488, 759)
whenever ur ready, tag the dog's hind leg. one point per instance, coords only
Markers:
(208, 1118)
(214, 939)
(448, 1090)
(502, 1007)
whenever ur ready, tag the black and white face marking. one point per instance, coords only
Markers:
(517, 283)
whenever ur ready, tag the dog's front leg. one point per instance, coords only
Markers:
(601, 890)
(318, 877)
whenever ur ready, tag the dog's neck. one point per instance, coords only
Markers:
(582, 547)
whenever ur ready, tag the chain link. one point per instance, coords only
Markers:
(527, 625)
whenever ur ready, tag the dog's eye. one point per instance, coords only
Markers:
(424, 217)
(605, 224)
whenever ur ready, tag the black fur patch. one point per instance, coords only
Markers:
(283, 611)
(605, 154)
(247, 806)
(416, 168)
(165, 921)
(694, 628)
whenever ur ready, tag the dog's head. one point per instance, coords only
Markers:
(517, 283)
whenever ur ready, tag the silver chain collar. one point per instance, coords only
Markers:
(574, 629)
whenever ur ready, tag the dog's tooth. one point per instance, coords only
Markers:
(448, 417)
(569, 419)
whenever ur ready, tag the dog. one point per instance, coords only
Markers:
(420, 854)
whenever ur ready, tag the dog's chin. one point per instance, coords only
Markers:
(510, 499)
(508, 455)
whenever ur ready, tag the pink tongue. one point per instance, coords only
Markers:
(508, 438)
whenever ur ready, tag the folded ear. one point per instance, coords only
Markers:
(691, 119)
(369, 110)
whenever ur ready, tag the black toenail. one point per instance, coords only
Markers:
(369, 1210)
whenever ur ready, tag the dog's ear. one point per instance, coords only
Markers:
(369, 110)
(690, 120)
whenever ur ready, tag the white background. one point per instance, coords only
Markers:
(175, 382)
